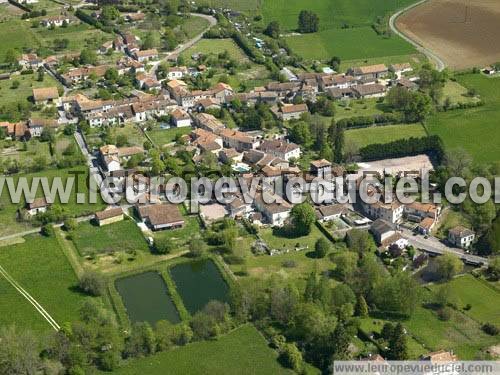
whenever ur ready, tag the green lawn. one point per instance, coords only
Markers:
(352, 108)
(384, 134)
(475, 129)
(243, 351)
(485, 300)
(193, 26)
(162, 137)
(348, 44)
(182, 235)
(331, 13)
(451, 219)
(216, 46)
(41, 268)
(457, 93)
(121, 236)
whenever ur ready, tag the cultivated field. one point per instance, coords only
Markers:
(463, 33)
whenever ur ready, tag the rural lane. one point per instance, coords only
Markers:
(440, 65)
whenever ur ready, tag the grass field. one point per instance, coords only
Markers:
(384, 134)
(8, 209)
(332, 13)
(10, 97)
(348, 44)
(120, 236)
(41, 268)
(79, 36)
(182, 236)
(483, 298)
(216, 46)
(249, 6)
(475, 129)
(243, 351)
(16, 34)
(193, 26)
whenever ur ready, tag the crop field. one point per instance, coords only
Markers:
(474, 129)
(463, 33)
(384, 134)
(120, 236)
(33, 264)
(243, 351)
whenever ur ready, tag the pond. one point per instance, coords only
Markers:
(198, 283)
(146, 298)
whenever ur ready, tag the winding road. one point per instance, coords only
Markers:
(440, 65)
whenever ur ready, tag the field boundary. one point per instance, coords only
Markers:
(440, 65)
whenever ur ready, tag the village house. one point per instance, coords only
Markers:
(340, 81)
(399, 69)
(208, 122)
(56, 21)
(38, 205)
(147, 81)
(109, 216)
(15, 130)
(238, 140)
(134, 17)
(369, 91)
(238, 208)
(206, 141)
(146, 55)
(391, 212)
(36, 125)
(276, 212)
(441, 356)
(292, 111)
(281, 149)
(30, 61)
(369, 72)
(112, 156)
(321, 168)
(461, 237)
(180, 118)
(177, 72)
(426, 225)
(330, 212)
(161, 216)
(417, 211)
(46, 96)
(78, 75)
(230, 155)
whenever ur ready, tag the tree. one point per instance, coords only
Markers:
(48, 135)
(273, 29)
(88, 57)
(448, 265)
(121, 140)
(152, 40)
(346, 263)
(92, 283)
(142, 341)
(360, 241)
(361, 307)
(340, 340)
(398, 347)
(322, 247)
(336, 137)
(303, 216)
(41, 73)
(18, 352)
(197, 247)
(11, 57)
(308, 22)
(204, 326)
(291, 356)
(111, 75)
(301, 134)
(163, 245)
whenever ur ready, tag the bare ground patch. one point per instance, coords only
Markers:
(463, 33)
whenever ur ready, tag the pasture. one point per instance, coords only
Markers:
(349, 44)
(242, 351)
(384, 134)
(214, 47)
(473, 129)
(41, 268)
(484, 300)
(463, 33)
(79, 36)
(16, 34)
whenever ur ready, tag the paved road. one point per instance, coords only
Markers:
(440, 65)
(433, 245)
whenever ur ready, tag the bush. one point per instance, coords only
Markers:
(444, 313)
(164, 245)
(70, 224)
(92, 283)
(47, 230)
(490, 329)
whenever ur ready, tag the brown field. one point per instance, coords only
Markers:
(463, 33)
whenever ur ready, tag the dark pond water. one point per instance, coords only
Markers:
(198, 283)
(428, 273)
(146, 298)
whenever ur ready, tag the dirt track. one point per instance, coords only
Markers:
(464, 33)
